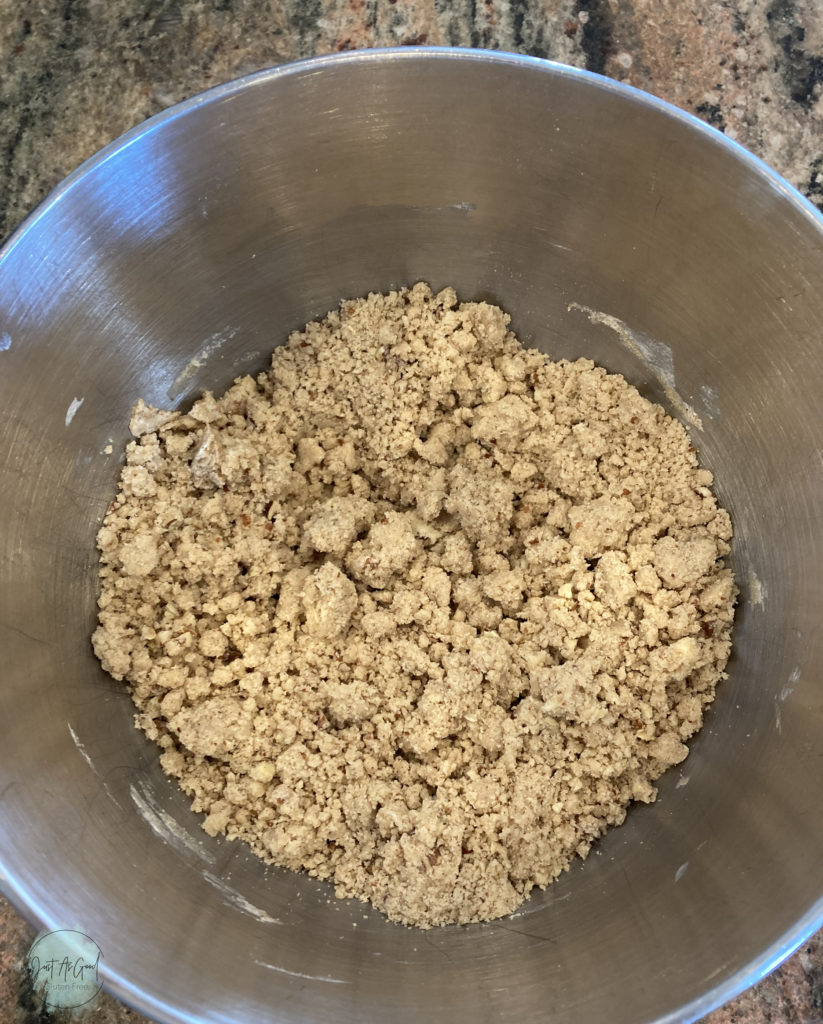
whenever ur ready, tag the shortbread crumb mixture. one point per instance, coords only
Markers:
(418, 611)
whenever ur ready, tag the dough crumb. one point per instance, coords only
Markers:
(419, 610)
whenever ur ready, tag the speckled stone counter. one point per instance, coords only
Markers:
(75, 74)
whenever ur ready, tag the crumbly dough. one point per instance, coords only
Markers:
(418, 611)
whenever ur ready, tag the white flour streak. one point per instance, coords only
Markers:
(794, 679)
(83, 752)
(232, 896)
(297, 974)
(71, 412)
(711, 400)
(757, 591)
(165, 827)
(211, 345)
(656, 355)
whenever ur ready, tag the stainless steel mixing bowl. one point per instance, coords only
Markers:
(178, 258)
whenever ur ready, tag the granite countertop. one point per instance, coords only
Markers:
(75, 74)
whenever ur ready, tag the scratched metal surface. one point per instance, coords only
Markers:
(176, 261)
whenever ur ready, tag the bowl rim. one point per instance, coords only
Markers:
(810, 922)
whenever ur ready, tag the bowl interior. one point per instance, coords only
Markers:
(609, 226)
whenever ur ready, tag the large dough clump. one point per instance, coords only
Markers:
(419, 610)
